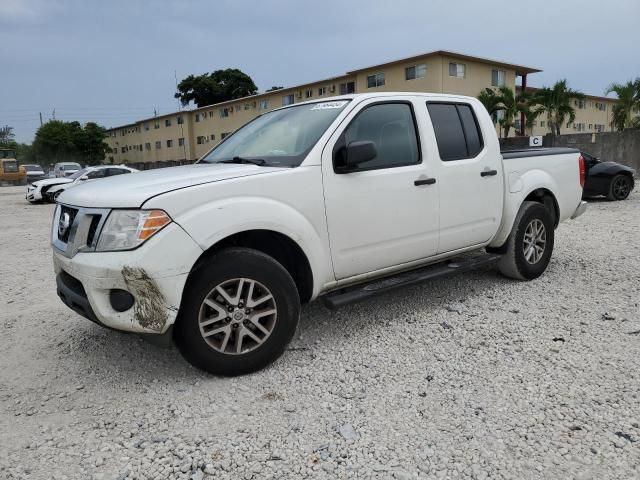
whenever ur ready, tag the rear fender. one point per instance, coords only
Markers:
(520, 187)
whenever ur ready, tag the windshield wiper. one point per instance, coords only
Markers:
(254, 161)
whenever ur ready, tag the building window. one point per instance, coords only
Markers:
(147, 146)
(350, 87)
(224, 135)
(224, 112)
(322, 91)
(158, 145)
(140, 147)
(123, 149)
(156, 125)
(197, 117)
(146, 126)
(181, 142)
(308, 93)
(375, 80)
(247, 106)
(212, 136)
(415, 71)
(457, 70)
(542, 123)
(498, 78)
(169, 143)
(200, 140)
(180, 120)
(167, 122)
(264, 104)
(287, 100)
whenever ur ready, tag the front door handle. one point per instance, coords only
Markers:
(488, 173)
(424, 181)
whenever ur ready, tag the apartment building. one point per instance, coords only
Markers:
(593, 115)
(187, 135)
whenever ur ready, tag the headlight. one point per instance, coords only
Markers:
(127, 229)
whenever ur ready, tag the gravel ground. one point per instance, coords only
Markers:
(474, 376)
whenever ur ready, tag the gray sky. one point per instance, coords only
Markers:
(113, 61)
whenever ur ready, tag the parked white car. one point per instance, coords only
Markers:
(65, 169)
(49, 189)
(340, 199)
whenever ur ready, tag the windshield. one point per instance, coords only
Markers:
(281, 138)
(78, 174)
(32, 168)
(71, 166)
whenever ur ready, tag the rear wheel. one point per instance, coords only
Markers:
(530, 244)
(620, 187)
(239, 313)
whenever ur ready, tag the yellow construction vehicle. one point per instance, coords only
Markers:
(10, 172)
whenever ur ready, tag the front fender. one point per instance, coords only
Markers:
(519, 187)
(240, 214)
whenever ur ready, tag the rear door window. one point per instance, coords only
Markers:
(456, 129)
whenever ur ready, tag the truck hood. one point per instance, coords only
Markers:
(132, 190)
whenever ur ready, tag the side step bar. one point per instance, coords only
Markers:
(357, 293)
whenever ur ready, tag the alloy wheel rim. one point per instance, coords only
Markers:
(535, 241)
(621, 188)
(237, 316)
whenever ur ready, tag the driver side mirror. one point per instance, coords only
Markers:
(354, 154)
(84, 177)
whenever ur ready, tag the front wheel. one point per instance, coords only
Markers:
(239, 312)
(530, 243)
(620, 187)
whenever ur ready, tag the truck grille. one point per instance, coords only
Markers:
(76, 229)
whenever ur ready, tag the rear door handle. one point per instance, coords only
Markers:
(488, 173)
(424, 181)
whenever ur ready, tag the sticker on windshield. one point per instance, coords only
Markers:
(328, 105)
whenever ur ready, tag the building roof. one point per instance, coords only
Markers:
(520, 69)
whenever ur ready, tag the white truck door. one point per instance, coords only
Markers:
(469, 175)
(382, 212)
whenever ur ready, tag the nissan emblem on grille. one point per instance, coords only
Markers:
(64, 224)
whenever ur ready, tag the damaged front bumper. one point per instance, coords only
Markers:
(154, 275)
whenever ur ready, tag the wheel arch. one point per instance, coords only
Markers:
(278, 246)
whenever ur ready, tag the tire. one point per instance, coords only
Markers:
(520, 262)
(619, 188)
(230, 271)
(54, 197)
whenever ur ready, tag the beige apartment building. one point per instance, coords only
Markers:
(593, 115)
(187, 135)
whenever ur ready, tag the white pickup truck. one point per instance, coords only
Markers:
(340, 199)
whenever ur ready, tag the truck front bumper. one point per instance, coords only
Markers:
(582, 207)
(152, 277)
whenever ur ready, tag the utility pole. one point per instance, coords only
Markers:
(54, 113)
(40, 118)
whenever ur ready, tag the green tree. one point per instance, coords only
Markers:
(508, 103)
(529, 107)
(57, 141)
(556, 103)
(215, 87)
(6, 135)
(273, 89)
(490, 100)
(628, 103)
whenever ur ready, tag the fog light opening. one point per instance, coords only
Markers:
(121, 300)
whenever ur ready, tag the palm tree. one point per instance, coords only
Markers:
(510, 107)
(528, 106)
(556, 103)
(492, 102)
(628, 103)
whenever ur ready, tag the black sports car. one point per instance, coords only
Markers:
(611, 179)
